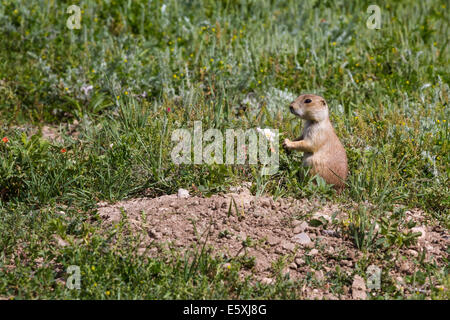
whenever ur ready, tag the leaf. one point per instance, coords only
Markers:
(321, 221)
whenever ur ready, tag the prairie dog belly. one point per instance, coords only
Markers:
(307, 159)
(317, 161)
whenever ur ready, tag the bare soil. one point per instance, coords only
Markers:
(299, 233)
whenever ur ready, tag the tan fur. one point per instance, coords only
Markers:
(323, 151)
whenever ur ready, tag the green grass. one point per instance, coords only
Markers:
(199, 60)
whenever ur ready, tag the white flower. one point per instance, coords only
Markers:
(270, 135)
(86, 89)
(163, 8)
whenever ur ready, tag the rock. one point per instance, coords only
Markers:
(399, 283)
(319, 275)
(300, 227)
(102, 204)
(175, 205)
(359, 288)
(154, 234)
(288, 246)
(296, 223)
(304, 225)
(347, 263)
(316, 295)
(321, 217)
(406, 267)
(297, 229)
(272, 204)
(328, 269)
(313, 252)
(183, 193)
(330, 233)
(413, 253)
(345, 290)
(277, 231)
(351, 255)
(60, 241)
(302, 239)
(240, 190)
(299, 261)
(271, 240)
(265, 203)
(293, 265)
(266, 280)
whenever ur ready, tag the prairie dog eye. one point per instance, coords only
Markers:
(308, 101)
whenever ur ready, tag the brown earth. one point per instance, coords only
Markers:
(300, 233)
(52, 133)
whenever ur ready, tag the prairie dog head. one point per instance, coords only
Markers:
(310, 107)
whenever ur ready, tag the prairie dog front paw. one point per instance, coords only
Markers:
(287, 144)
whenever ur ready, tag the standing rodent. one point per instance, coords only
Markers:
(323, 151)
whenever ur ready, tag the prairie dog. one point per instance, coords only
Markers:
(323, 151)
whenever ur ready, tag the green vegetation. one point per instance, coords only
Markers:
(155, 66)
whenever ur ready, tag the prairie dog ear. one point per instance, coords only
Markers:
(323, 102)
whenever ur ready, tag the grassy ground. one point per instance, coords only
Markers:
(155, 66)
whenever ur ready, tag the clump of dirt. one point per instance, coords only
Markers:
(301, 233)
(52, 133)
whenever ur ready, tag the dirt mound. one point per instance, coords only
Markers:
(296, 234)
